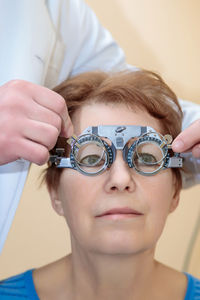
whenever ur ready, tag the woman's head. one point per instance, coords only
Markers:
(118, 211)
(141, 90)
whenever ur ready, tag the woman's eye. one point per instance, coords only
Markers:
(147, 158)
(90, 160)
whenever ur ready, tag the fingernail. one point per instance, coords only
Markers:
(178, 145)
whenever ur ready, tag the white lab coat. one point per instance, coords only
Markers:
(46, 42)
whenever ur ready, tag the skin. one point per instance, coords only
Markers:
(188, 140)
(32, 117)
(112, 256)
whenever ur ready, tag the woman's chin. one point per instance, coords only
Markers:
(114, 250)
(118, 247)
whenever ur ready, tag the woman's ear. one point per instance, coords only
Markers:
(176, 195)
(56, 202)
(175, 201)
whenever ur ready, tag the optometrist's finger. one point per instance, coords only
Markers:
(196, 151)
(17, 107)
(19, 147)
(188, 138)
(42, 114)
(67, 128)
(33, 152)
(56, 103)
(20, 92)
(41, 133)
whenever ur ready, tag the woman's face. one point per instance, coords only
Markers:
(138, 205)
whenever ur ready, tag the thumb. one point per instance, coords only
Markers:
(67, 128)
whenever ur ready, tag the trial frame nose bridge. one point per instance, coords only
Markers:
(118, 135)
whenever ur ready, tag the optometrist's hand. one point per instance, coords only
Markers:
(189, 140)
(31, 119)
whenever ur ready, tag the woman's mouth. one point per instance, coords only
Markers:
(120, 213)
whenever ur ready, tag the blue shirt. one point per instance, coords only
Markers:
(21, 287)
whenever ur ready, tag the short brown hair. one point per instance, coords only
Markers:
(139, 89)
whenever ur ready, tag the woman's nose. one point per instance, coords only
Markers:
(120, 176)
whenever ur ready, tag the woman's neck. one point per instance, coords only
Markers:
(100, 276)
(117, 277)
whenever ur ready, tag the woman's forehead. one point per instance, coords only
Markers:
(111, 114)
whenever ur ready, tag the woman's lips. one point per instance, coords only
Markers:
(120, 213)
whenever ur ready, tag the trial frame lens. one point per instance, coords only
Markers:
(149, 153)
(89, 153)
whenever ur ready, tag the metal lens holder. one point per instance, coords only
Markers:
(153, 139)
(77, 146)
(110, 138)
